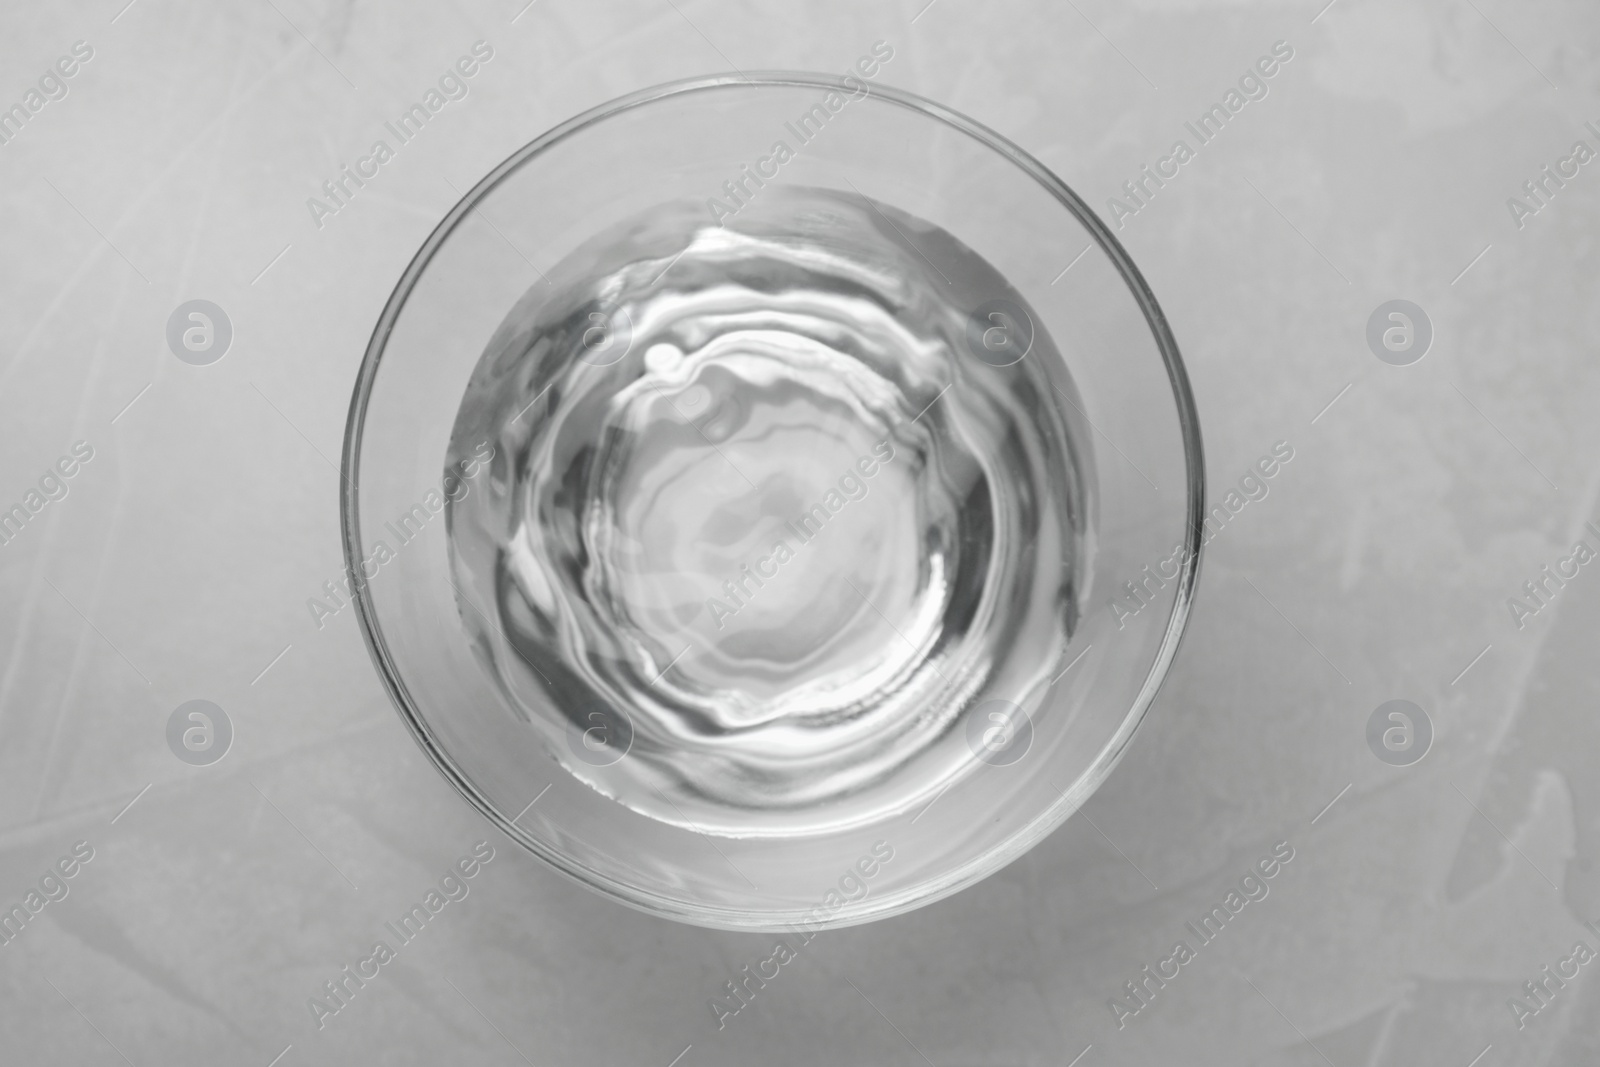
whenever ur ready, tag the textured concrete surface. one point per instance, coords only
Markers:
(1378, 166)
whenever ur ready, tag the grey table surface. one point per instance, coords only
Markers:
(1379, 165)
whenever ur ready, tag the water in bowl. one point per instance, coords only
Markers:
(777, 507)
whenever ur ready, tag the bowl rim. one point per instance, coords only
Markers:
(870, 908)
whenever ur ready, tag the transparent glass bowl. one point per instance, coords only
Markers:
(685, 140)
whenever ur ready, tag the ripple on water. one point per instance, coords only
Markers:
(759, 507)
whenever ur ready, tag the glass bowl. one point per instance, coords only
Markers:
(1023, 750)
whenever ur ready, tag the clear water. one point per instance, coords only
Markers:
(775, 505)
